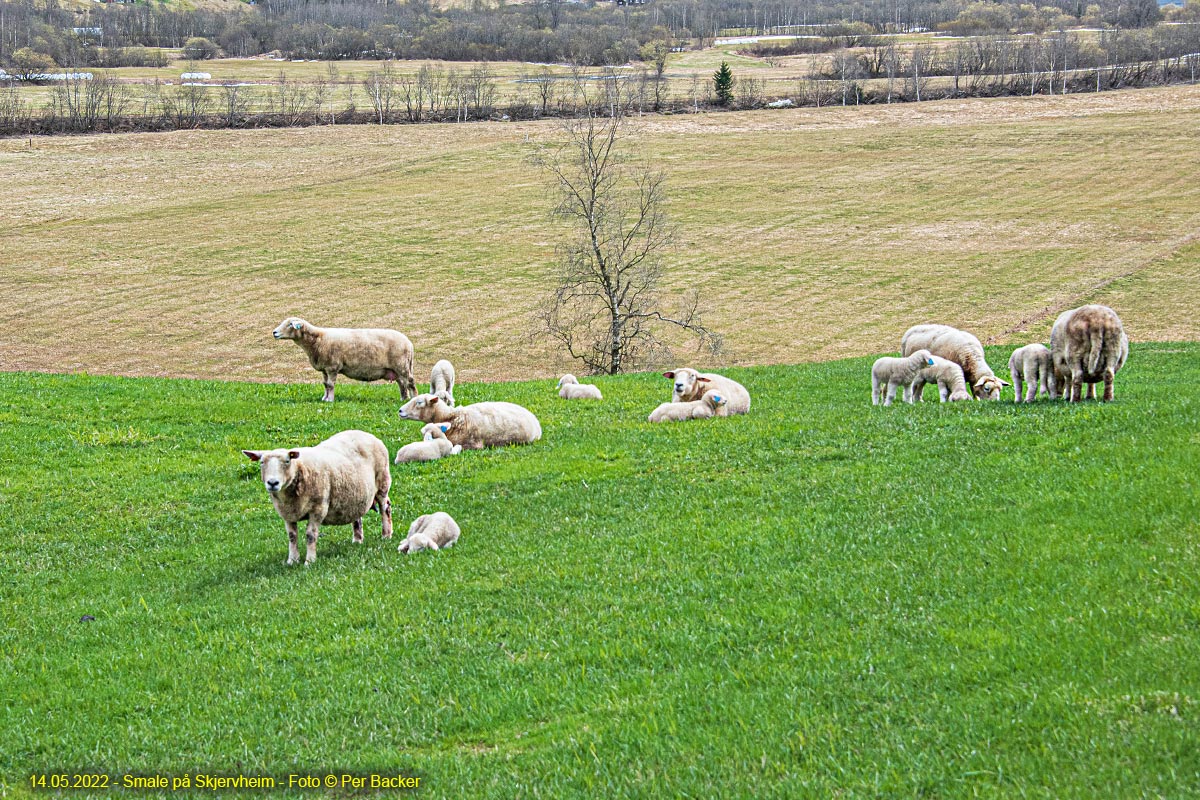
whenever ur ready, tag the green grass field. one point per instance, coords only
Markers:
(819, 599)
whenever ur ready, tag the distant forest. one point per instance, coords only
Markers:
(585, 33)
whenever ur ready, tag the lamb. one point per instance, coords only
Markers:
(960, 347)
(1031, 365)
(1087, 345)
(430, 532)
(441, 381)
(435, 445)
(891, 372)
(691, 385)
(948, 376)
(711, 405)
(334, 483)
(569, 388)
(364, 354)
(478, 425)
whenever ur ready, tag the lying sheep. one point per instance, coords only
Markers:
(711, 405)
(435, 445)
(478, 425)
(891, 372)
(441, 381)
(960, 347)
(1030, 365)
(948, 376)
(1087, 345)
(364, 354)
(690, 385)
(569, 388)
(334, 483)
(430, 532)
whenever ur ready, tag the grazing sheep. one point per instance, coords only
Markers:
(691, 385)
(364, 354)
(711, 405)
(441, 381)
(435, 445)
(891, 372)
(1087, 345)
(478, 425)
(960, 347)
(569, 388)
(948, 376)
(334, 483)
(1030, 365)
(430, 532)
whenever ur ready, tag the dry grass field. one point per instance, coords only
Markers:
(812, 234)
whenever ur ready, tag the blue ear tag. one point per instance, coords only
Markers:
(444, 428)
(297, 325)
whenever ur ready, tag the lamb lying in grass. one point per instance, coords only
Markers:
(430, 532)
(948, 376)
(334, 483)
(888, 372)
(434, 446)
(1031, 365)
(569, 388)
(478, 425)
(712, 404)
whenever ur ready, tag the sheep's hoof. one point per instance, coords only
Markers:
(291, 562)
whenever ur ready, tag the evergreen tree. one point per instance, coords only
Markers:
(723, 84)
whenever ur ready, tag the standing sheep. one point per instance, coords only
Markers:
(948, 376)
(334, 483)
(691, 385)
(569, 388)
(960, 347)
(435, 445)
(364, 354)
(430, 532)
(478, 425)
(441, 381)
(1087, 345)
(1030, 365)
(711, 405)
(888, 372)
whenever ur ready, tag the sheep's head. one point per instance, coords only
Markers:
(435, 430)
(567, 379)
(277, 467)
(685, 379)
(290, 328)
(715, 399)
(924, 357)
(988, 387)
(423, 407)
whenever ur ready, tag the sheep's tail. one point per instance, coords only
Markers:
(1097, 336)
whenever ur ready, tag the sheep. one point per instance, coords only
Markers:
(569, 388)
(435, 445)
(960, 347)
(1087, 345)
(948, 376)
(333, 483)
(441, 381)
(478, 425)
(691, 385)
(891, 372)
(430, 532)
(1030, 365)
(711, 405)
(364, 354)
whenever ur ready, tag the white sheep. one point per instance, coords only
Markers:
(689, 385)
(889, 372)
(1087, 345)
(712, 404)
(430, 532)
(334, 483)
(1031, 366)
(435, 445)
(960, 347)
(569, 388)
(477, 425)
(364, 354)
(441, 381)
(948, 376)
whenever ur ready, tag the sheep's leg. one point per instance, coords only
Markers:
(310, 537)
(889, 394)
(385, 511)
(943, 391)
(1091, 391)
(1076, 385)
(908, 393)
(1052, 385)
(1031, 386)
(356, 526)
(293, 532)
(1108, 385)
(330, 380)
(874, 391)
(1015, 374)
(918, 391)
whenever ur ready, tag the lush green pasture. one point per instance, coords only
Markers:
(820, 598)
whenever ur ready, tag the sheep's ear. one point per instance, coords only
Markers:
(293, 453)
(1004, 383)
(445, 427)
(981, 381)
(433, 399)
(297, 325)
(253, 455)
(668, 374)
(703, 380)
(717, 398)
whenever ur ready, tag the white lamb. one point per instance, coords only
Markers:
(712, 404)
(888, 372)
(435, 445)
(1033, 366)
(569, 388)
(430, 532)
(364, 354)
(477, 425)
(688, 385)
(334, 483)
(960, 347)
(441, 381)
(948, 376)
